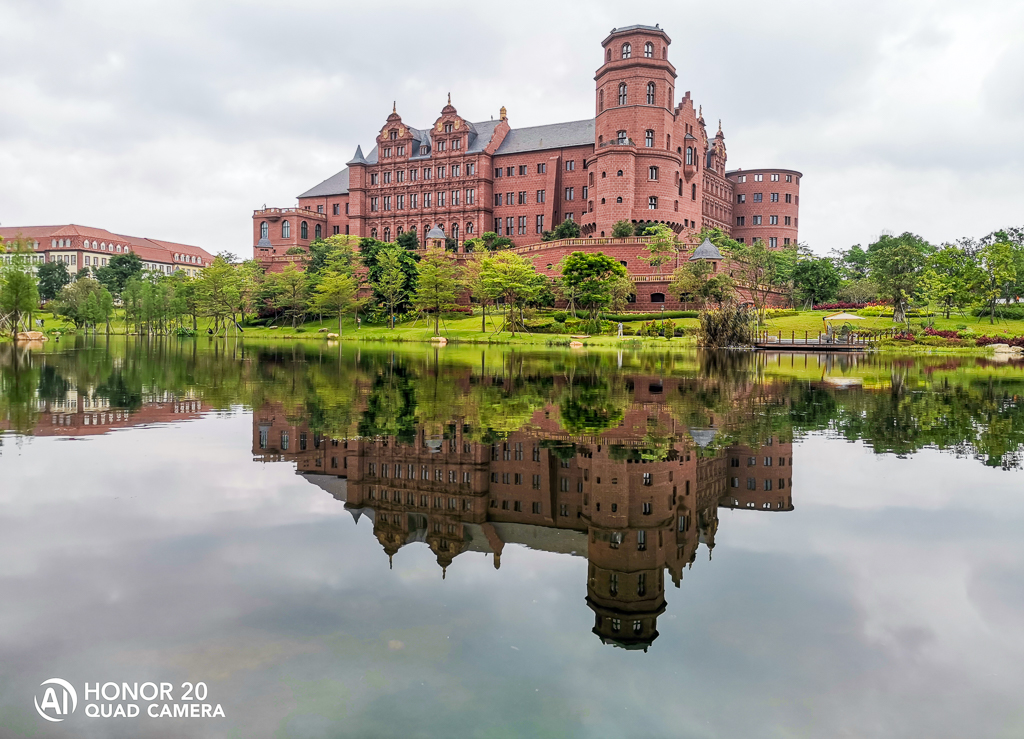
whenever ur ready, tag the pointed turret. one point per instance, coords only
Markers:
(358, 157)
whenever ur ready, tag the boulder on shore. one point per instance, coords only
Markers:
(1006, 349)
(332, 336)
(31, 336)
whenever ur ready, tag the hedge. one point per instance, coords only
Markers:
(1015, 312)
(624, 317)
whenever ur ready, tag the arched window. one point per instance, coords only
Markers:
(304, 230)
(455, 231)
(619, 173)
(649, 138)
(264, 230)
(649, 50)
(622, 93)
(621, 138)
(689, 155)
(387, 233)
(657, 297)
(103, 246)
(469, 227)
(609, 55)
(650, 93)
(693, 192)
(600, 100)
(373, 233)
(118, 248)
(318, 231)
(412, 229)
(286, 230)
(618, 199)
(627, 51)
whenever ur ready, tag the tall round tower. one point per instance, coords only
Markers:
(637, 164)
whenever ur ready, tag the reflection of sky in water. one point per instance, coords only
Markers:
(888, 603)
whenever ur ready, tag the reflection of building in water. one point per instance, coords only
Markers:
(635, 507)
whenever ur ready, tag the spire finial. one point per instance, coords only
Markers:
(504, 113)
(444, 572)
(394, 106)
(700, 111)
(391, 561)
(719, 125)
(449, 98)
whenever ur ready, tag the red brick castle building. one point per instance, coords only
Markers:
(645, 156)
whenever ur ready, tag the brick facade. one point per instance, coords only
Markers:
(645, 156)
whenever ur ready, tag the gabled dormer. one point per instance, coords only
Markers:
(395, 141)
(451, 133)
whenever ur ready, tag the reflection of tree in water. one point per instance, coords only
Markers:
(391, 407)
(590, 405)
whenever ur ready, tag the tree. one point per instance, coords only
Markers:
(472, 278)
(949, 275)
(762, 271)
(336, 292)
(52, 276)
(662, 246)
(290, 292)
(816, 280)
(493, 242)
(19, 296)
(105, 306)
(513, 280)
(596, 280)
(392, 285)
(219, 291)
(437, 288)
(853, 263)
(79, 301)
(567, 229)
(622, 230)
(336, 248)
(121, 268)
(896, 264)
(370, 251)
(699, 281)
(997, 272)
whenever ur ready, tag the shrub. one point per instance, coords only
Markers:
(623, 317)
(1011, 340)
(845, 306)
(1014, 312)
(300, 330)
(935, 341)
(781, 312)
(727, 326)
(944, 334)
(560, 316)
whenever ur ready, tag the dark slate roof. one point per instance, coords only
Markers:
(707, 250)
(481, 135)
(336, 185)
(358, 157)
(552, 136)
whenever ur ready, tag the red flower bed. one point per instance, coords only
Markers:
(943, 334)
(904, 336)
(1011, 340)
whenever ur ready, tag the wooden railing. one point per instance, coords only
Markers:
(820, 338)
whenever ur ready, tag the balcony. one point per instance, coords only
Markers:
(278, 213)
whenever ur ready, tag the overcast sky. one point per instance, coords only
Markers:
(175, 120)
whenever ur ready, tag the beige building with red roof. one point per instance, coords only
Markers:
(82, 246)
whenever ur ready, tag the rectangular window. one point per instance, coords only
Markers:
(570, 165)
(789, 178)
(522, 197)
(568, 216)
(757, 197)
(374, 201)
(652, 173)
(775, 178)
(426, 199)
(541, 196)
(536, 482)
(440, 173)
(767, 485)
(540, 224)
(455, 197)
(641, 540)
(569, 192)
(563, 510)
(740, 220)
(510, 171)
(741, 198)
(470, 197)
(786, 242)
(773, 242)
(542, 168)
(319, 209)
(751, 483)
(519, 478)
(497, 226)
(519, 506)
(758, 177)
(522, 225)
(773, 220)
(387, 178)
(497, 198)
(775, 197)
(506, 478)
(510, 198)
(336, 209)
(412, 174)
(400, 202)
(522, 169)
(497, 171)
(789, 197)
(470, 169)
(427, 171)
(400, 175)
(789, 221)
(413, 200)
(652, 203)
(648, 478)
(755, 220)
(374, 178)
(585, 190)
(509, 225)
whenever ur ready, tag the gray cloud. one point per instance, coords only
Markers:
(175, 120)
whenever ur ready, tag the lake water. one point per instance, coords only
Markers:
(464, 542)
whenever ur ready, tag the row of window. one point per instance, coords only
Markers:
(627, 51)
(752, 483)
(423, 501)
(524, 169)
(758, 197)
(428, 200)
(623, 95)
(286, 230)
(760, 178)
(772, 220)
(453, 232)
(752, 462)
(413, 175)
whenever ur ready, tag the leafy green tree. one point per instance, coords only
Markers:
(853, 263)
(219, 291)
(622, 230)
(511, 279)
(121, 268)
(567, 229)
(897, 263)
(336, 248)
(438, 286)
(698, 281)
(998, 272)
(337, 292)
(661, 248)
(816, 280)
(762, 271)
(370, 251)
(949, 275)
(290, 292)
(393, 283)
(131, 299)
(53, 277)
(596, 280)
(493, 242)
(408, 240)
(79, 301)
(19, 297)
